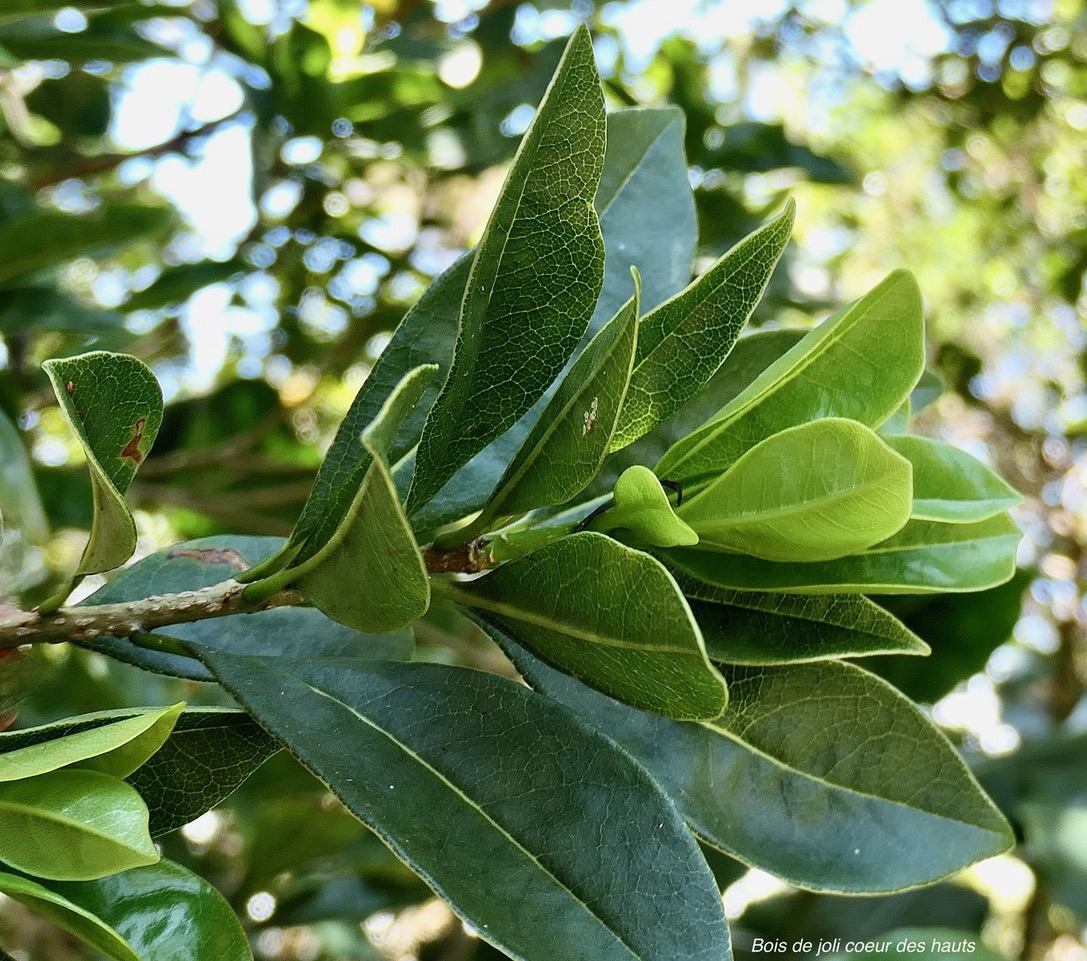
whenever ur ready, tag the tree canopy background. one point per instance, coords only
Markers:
(249, 195)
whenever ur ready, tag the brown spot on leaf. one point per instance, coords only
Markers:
(212, 555)
(132, 448)
(70, 387)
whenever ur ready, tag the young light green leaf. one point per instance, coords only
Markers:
(165, 912)
(210, 752)
(113, 742)
(77, 921)
(426, 335)
(923, 557)
(749, 627)
(370, 575)
(607, 614)
(73, 826)
(860, 364)
(566, 446)
(535, 277)
(519, 853)
(642, 511)
(280, 632)
(809, 493)
(114, 405)
(797, 780)
(685, 340)
(951, 486)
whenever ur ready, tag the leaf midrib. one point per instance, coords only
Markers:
(44, 814)
(487, 818)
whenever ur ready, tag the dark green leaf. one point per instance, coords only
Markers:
(209, 754)
(281, 632)
(497, 797)
(608, 615)
(114, 405)
(924, 556)
(860, 364)
(73, 825)
(924, 944)
(20, 505)
(821, 774)
(165, 912)
(809, 493)
(535, 278)
(176, 284)
(684, 342)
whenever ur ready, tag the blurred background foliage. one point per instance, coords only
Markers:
(248, 194)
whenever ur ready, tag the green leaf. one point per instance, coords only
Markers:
(860, 364)
(370, 575)
(684, 342)
(177, 284)
(923, 944)
(608, 615)
(280, 632)
(113, 742)
(923, 557)
(165, 912)
(821, 774)
(20, 505)
(566, 446)
(747, 627)
(809, 493)
(73, 825)
(37, 38)
(48, 238)
(114, 405)
(521, 850)
(535, 277)
(71, 917)
(425, 336)
(48, 309)
(642, 512)
(646, 208)
(210, 752)
(951, 486)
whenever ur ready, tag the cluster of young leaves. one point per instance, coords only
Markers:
(685, 655)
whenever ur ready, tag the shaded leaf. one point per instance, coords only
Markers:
(951, 486)
(748, 627)
(73, 825)
(280, 632)
(113, 742)
(518, 851)
(535, 278)
(641, 512)
(208, 755)
(821, 774)
(809, 493)
(606, 614)
(683, 343)
(176, 284)
(165, 912)
(89, 928)
(20, 505)
(924, 944)
(924, 556)
(860, 364)
(114, 405)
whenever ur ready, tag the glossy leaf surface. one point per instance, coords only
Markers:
(923, 557)
(371, 576)
(114, 405)
(750, 627)
(515, 848)
(950, 485)
(683, 342)
(73, 825)
(821, 774)
(608, 615)
(809, 493)
(280, 632)
(165, 912)
(210, 752)
(114, 743)
(641, 511)
(860, 364)
(535, 277)
(89, 928)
